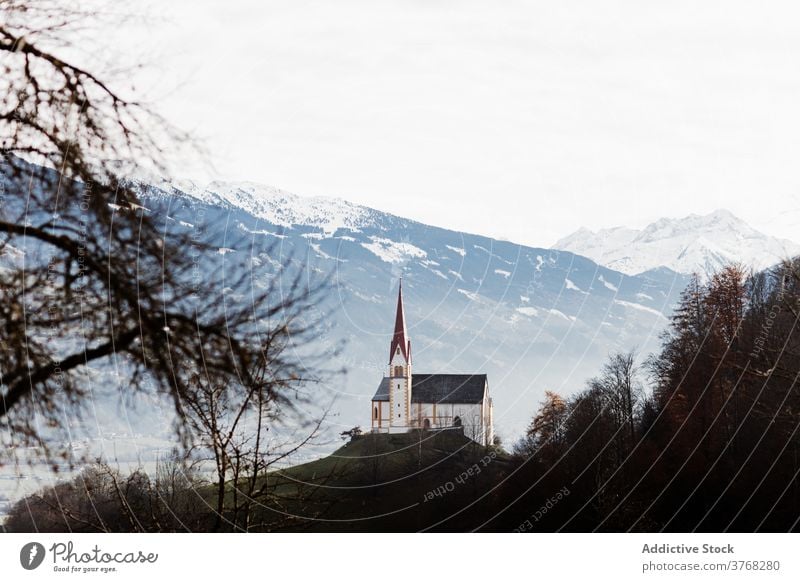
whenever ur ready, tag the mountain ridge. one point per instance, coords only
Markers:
(693, 243)
(532, 318)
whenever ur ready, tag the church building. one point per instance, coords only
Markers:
(406, 400)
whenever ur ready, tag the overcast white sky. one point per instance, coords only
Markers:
(520, 120)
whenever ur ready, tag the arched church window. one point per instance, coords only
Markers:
(457, 421)
(426, 424)
(375, 413)
(398, 370)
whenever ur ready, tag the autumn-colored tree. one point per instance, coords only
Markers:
(545, 434)
(726, 300)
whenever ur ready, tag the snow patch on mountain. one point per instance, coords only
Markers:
(561, 314)
(529, 311)
(639, 307)
(469, 294)
(572, 286)
(318, 249)
(608, 285)
(390, 251)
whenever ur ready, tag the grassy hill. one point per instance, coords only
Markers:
(418, 481)
(382, 482)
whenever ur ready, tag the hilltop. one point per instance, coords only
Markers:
(398, 482)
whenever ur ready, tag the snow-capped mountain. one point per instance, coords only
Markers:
(694, 243)
(282, 208)
(531, 318)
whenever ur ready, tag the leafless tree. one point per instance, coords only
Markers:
(102, 499)
(236, 425)
(89, 275)
(622, 394)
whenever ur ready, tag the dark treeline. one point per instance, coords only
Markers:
(174, 498)
(702, 436)
(101, 499)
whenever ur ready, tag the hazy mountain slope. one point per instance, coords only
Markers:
(533, 319)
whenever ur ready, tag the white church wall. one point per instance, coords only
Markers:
(488, 414)
(399, 394)
(466, 412)
(383, 419)
(476, 419)
(471, 416)
(399, 402)
(422, 411)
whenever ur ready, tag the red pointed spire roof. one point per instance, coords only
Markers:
(400, 337)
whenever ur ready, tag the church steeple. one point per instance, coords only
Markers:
(399, 378)
(400, 338)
